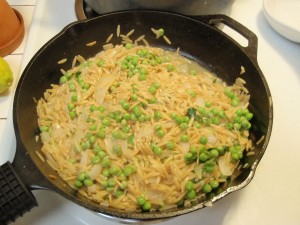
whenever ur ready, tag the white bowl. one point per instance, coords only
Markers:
(284, 17)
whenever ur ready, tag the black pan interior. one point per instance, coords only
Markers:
(197, 40)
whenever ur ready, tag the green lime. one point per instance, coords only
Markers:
(6, 76)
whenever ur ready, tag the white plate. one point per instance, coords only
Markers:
(284, 17)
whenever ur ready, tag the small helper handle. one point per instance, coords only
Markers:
(251, 49)
(15, 198)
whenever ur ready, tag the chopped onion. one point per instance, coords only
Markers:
(155, 197)
(226, 165)
(198, 171)
(184, 147)
(102, 87)
(199, 101)
(84, 159)
(212, 139)
(95, 171)
(45, 137)
(144, 132)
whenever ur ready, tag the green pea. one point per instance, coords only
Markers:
(125, 105)
(71, 106)
(170, 145)
(161, 133)
(188, 157)
(106, 121)
(100, 63)
(88, 182)
(171, 68)
(183, 126)
(184, 138)
(126, 116)
(194, 150)
(141, 200)
(81, 177)
(106, 162)
(124, 184)
(157, 115)
(206, 188)
(214, 153)
(153, 62)
(134, 97)
(92, 139)
(141, 118)
(203, 140)
(44, 128)
(72, 87)
(116, 134)
(229, 126)
(192, 93)
(133, 117)
(191, 194)
(197, 124)
(117, 149)
(249, 116)
(142, 76)
(157, 151)
(234, 102)
(235, 156)
(126, 128)
(161, 31)
(214, 184)
(106, 173)
(130, 139)
(85, 145)
(93, 127)
(128, 170)
(101, 134)
(86, 86)
(111, 182)
(115, 170)
(189, 186)
(178, 119)
(186, 119)
(97, 149)
(118, 193)
(147, 206)
(96, 160)
(237, 126)
(228, 93)
(63, 79)
(128, 45)
(152, 90)
(101, 108)
(137, 111)
(203, 157)
(152, 100)
(147, 117)
(245, 124)
(74, 98)
(209, 166)
(221, 150)
(193, 72)
(78, 184)
(208, 104)
(101, 154)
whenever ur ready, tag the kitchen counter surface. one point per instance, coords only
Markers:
(273, 197)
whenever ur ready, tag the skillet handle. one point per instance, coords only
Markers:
(214, 20)
(15, 198)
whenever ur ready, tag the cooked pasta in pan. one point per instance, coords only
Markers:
(142, 128)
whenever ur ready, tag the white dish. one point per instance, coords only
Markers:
(284, 17)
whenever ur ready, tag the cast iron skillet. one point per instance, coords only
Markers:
(197, 38)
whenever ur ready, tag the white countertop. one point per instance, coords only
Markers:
(273, 196)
